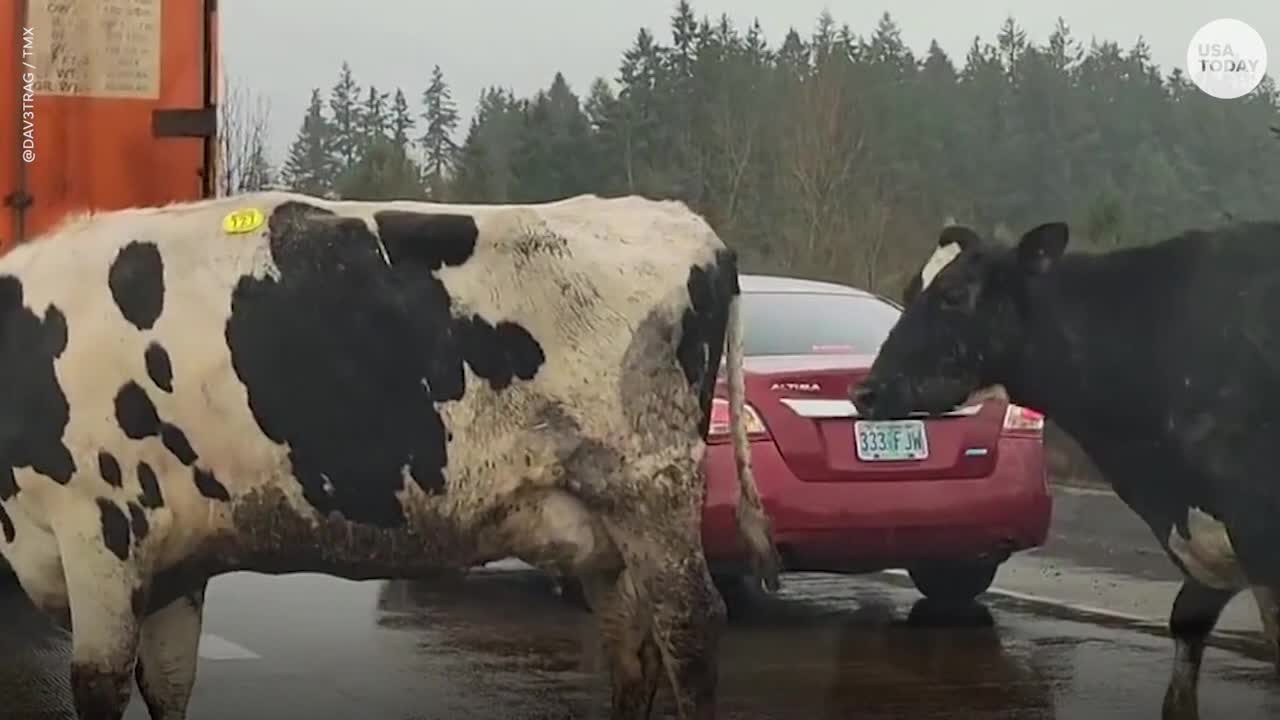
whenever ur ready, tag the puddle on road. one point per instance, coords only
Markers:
(503, 645)
(503, 636)
(831, 647)
(813, 653)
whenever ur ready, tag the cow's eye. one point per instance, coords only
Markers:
(954, 298)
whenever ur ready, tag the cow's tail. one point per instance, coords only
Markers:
(753, 523)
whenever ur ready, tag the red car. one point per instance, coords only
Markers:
(946, 498)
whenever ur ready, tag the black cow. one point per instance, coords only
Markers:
(1162, 361)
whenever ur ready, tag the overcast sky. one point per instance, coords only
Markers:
(283, 48)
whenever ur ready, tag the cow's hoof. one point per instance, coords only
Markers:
(1180, 705)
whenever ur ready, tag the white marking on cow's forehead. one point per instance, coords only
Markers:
(941, 258)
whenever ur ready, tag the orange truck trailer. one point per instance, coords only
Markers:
(104, 104)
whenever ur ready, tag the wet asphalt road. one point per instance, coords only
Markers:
(501, 645)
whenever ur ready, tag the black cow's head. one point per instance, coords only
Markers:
(965, 319)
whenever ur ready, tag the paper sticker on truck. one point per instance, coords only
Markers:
(96, 48)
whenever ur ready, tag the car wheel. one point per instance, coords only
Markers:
(954, 582)
(741, 593)
(570, 590)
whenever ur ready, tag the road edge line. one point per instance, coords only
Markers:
(1248, 644)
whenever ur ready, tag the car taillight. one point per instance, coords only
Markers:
(1018, 419)
(719, 431)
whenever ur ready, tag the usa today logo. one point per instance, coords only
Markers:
(1227, 58)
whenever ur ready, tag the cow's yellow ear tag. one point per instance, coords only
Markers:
(242, 221)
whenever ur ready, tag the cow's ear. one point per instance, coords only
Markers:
(1041, 247)
(954, 234)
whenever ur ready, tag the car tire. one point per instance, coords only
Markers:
(741, 594)
(570, 590)
(954, 582)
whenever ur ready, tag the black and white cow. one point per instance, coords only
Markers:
(278, 383)
(1162, 361)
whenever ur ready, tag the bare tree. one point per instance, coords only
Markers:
(735, 118)
(243, 163)
(824, 174)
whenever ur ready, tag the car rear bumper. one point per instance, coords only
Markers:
(874, 525)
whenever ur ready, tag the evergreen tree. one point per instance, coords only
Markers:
(311, 165)
(684, 39)
(757, 46)
(344, 108)
(1063, 51)
(484, 169)
(645, 149)
(440, 122)
(824, 42)
(402, 121)
(374, 119)
(837, 156)
(553, 158)
(1011, 41)
(606, 140)
(793, 56)
(385, 169)
(887, 48)
(383, 172)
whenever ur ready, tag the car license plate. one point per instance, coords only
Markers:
(891, 440)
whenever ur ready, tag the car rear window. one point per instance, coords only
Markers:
(809, 323)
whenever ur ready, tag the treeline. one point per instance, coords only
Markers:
(833, 155)
(365, 143)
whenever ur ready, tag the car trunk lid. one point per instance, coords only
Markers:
(804, 402)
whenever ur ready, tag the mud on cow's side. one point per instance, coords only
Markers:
(279, 383)
(1162, 361)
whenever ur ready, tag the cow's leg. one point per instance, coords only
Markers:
(635, 664)
(688, 619)
(660, 542)
(167, 656)
(1196, 610)
(556, 531)
(1269, 609)
(106, 596)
